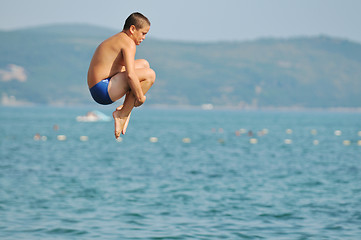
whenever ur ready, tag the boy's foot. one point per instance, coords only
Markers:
(120, 122)
(127, 122)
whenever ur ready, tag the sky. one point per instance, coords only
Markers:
(197, 20)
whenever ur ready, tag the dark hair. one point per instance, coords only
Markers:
(137, 19)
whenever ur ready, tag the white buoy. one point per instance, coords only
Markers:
(359, 133)
(265, 131)
(186, 140)
(346, 142)
(288, 141)
(153, 139)
(316, 142)
(242, 131)
(289, 131)
(253, 141)
(61, 137)
(338, 133)
(84, 138)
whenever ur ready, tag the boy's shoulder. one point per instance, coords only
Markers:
(122, 39)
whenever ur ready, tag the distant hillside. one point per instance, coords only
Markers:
(48, 65)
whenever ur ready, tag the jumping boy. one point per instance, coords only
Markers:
(114, 72)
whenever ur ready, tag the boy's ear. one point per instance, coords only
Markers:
(132, 29)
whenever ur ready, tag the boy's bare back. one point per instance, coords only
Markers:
(108, 58)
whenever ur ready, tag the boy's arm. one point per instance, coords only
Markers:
(133, 80)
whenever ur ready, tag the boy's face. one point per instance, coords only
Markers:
(139, 34)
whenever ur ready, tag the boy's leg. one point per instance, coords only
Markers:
(141, 63)
(118, 85)
(121, 116)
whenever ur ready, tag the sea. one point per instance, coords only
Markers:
(180, 174)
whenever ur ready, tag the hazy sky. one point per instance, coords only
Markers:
(197, 20)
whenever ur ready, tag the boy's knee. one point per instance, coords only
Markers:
(152, 75)
(144, 63)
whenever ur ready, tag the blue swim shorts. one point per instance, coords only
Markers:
(100, 93)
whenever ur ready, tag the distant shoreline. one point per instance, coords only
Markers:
(293, 74)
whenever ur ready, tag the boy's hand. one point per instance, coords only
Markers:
(140, 101)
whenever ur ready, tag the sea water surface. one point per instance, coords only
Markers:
(180, 174)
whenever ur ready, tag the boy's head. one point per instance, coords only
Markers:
(138, 20)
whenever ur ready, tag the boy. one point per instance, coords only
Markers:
(114, 72)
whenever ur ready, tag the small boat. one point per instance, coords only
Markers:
(93, 116)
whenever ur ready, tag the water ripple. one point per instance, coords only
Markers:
(217, 186)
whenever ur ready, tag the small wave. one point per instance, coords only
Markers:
(282, 216)
(334, 227)
(244, 236)
(33, 230)
(166, 237)
(89, 193)
(67, 231)
(135, 215)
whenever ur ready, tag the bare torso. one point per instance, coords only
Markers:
(108, 59)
